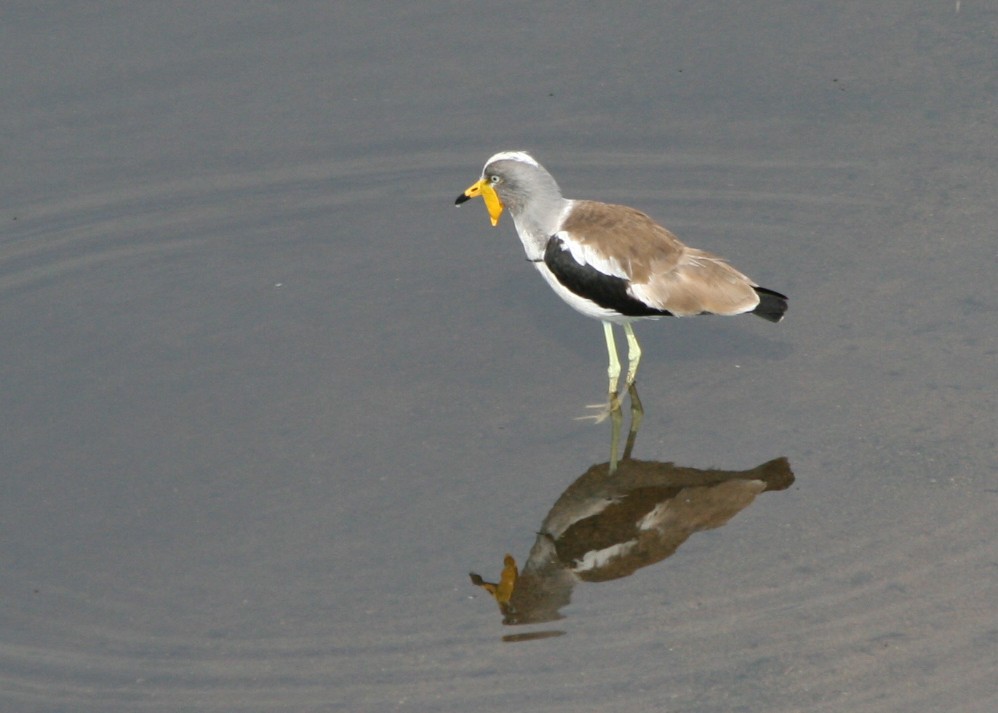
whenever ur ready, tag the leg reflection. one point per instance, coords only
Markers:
(617, 421)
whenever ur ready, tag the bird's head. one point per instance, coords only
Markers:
(510, 179)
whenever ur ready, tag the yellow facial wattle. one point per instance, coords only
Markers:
(493, 205)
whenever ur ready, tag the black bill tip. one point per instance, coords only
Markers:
(461, 199)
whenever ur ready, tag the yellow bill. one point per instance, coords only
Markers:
(483, 188)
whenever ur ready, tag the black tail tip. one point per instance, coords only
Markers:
(772, 305)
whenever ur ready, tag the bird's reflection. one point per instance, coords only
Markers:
(618, 517)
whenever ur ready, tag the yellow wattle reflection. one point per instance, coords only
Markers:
(507, 580)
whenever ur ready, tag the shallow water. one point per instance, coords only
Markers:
(268, 397)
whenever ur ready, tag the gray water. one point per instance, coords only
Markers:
(268, 397)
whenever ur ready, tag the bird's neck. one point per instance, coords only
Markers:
(537, 222)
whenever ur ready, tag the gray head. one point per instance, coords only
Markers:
(514, 180)
(519, 180)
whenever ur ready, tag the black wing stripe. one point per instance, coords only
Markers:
(586, 281)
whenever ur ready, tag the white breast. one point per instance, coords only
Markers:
(581, 304)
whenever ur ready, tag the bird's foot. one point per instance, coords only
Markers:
(603, 410)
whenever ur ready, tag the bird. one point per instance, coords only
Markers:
(612, 262)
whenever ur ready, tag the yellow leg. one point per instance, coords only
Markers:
(633, 354)
(613, 370)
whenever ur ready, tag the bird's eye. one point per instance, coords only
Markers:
(494, 178)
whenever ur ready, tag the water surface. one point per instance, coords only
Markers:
(268, 397)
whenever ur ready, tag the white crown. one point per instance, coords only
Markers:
(521, 156)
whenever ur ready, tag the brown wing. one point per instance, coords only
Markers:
(662, 271)
(625, 235)
(699, 283)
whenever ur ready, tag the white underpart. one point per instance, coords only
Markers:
(579, 304)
